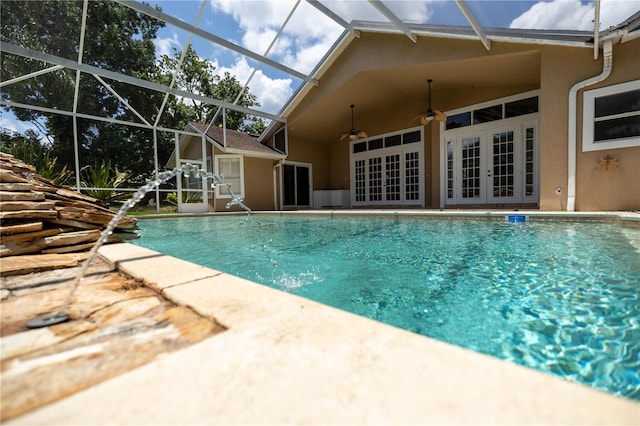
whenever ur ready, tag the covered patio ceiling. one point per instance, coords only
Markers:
(404, 91)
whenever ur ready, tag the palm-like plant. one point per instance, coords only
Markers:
(101, 183)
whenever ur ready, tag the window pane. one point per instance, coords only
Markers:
(485, 115)
(359, 147)
(618, 103)
(392, 140)
(279, 141)
(289, 173)
(458, 120)
(230, 169)
(375, 144)
(302, 186)
(618, 128)
(521, 107)
(411, 137)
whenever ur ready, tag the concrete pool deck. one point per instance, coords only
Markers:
(288, 360)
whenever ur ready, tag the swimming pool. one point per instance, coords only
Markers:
(561, 297)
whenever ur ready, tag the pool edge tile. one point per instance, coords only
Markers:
(159, 270)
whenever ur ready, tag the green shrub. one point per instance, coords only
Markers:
(101, 183)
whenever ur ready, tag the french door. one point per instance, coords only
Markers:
(390, 179)
(383, 178)
(492, 166)
(388, 170)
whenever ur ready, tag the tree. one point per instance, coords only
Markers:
(117, 38)
(255, 126)
(198, 76)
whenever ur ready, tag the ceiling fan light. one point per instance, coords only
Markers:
(429, 117)
(353, 137)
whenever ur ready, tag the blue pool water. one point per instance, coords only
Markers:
(561, 297)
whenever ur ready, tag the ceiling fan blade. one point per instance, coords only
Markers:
(344, 136)
(362, 135)
(440, 116)
(419, 116)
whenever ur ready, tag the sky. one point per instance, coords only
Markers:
(308, 35)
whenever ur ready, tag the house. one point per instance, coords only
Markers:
(245, 164)
(534, 119)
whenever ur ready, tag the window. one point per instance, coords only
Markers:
(394, 140)
(279, 141)
(375, 144)
(359, 147)
(611, 117)
(231, 167)
(484, 115)
(500, 109)
(412, 137)
(458, 120)
(521, 107)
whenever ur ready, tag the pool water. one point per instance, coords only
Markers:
(561, 297)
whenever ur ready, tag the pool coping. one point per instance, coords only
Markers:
(284, 359)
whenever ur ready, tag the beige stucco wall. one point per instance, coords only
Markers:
(385, 75)
(618, 186)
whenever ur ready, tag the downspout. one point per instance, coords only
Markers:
(276, 186)
(607, 57)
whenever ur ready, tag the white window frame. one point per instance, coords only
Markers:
(240, 158)
(588, 118)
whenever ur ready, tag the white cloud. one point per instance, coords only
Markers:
(306, 38)
(574, 15)
(271, 93)
(164, 45)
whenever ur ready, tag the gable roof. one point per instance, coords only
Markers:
(236, 143)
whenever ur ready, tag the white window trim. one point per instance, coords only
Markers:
(588, 113)
(217, 172)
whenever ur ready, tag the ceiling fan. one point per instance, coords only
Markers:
(353, 134)
(431, 114)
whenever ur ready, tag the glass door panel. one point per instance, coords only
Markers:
(412, 176)
(504, 170)
(360, 178)
(471, 171)
(302, 186)
(392, 177)
(375, 179)
(192, 196)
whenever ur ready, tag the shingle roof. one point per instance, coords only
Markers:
(236, 141)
